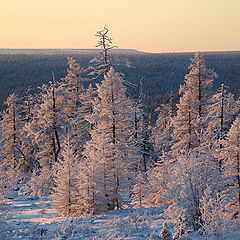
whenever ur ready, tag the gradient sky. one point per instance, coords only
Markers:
(146, 25)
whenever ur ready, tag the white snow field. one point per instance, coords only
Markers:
(32, 218)
(35, 219)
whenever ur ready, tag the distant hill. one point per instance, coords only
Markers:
(64, 51)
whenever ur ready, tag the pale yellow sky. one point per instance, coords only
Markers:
(145, 25)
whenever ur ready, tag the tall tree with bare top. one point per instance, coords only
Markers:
(102, 61)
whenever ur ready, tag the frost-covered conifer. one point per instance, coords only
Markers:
(146, 147)
(187, 181)
(73, 87)
(231, 165)
(84, 114)
(221, 114)
(142, 138)
(110, 149)
(65, 195)
(158, 180)
(140, 189)
(28, 148)
(10, 138)
(163, 129)
(10, 131)
(77, 105)
(48, 123)
(193, 107)
(184, 125)
(45, 129)
(217, 220)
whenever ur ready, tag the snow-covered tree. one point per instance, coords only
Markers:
(110, 148)
(72, 88)
(45, 130)
(102, 61)
(140, 189)
(145, 145)
(28, 147)
(87, 108)
(199, 83)
(158, 180)
(10, 138)
(193, 107)
(187, 181)
(73, 85)
(163, 129)
(142, 137)
(84, 114)
(47, 124)
(221, 114)
(231, 165)
(10, 130)
(184, 125)
(65, 195)
(217, 221)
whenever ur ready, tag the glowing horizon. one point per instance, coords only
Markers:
(149, 26)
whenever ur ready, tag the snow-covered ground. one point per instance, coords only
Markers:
(35, 219)
(32, 219)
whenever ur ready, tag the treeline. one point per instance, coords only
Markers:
(92, 148)
(159, 73)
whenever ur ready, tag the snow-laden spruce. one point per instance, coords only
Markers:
(193, 106)
(231, 165)
(222, 112)
(46, 131)
(110, 154)
(65, 195)
(76, 105)
(162, 133)
(10, 140)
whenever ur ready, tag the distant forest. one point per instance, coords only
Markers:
(159, 73)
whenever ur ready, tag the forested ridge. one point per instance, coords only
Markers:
(159, 73)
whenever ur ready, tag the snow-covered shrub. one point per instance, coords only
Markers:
(139, 221)
(33, 232)
(115, 223)
(123, 227)
(66, 229)
(176, 216)
(72, 228)
(165, 233)
(107, 236)
(189, 177)
(66, 195)
(6, 230)
(139, 190)
(38, 184)
(217, 221)
(134, 223)
(154, 236)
